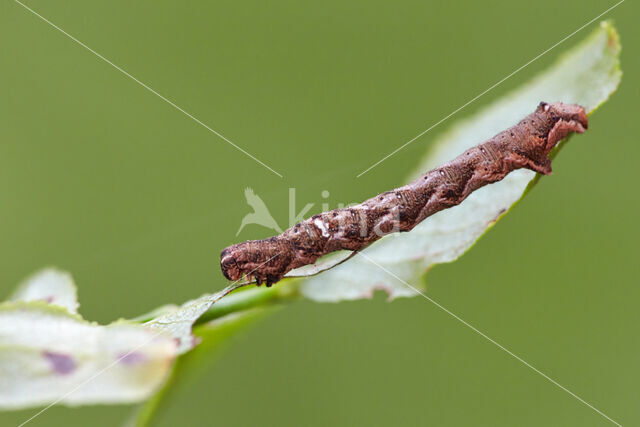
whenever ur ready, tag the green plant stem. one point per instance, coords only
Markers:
(214, 336)
(246, 298)
(241, 299)
(214, 328)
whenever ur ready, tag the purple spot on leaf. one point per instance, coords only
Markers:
(132, 358)
(60, 363)
(195, 340)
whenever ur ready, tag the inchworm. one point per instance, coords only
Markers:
(525, 145)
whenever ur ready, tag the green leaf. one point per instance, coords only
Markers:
(178, 322)
(49, 354)
(587, 75)
(50, 285)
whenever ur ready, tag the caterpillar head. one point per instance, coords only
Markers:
(255, 259)
(229, 265)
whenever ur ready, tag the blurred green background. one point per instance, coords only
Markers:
(102, 178)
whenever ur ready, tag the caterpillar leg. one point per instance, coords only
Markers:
(561, 129)
(271, 279)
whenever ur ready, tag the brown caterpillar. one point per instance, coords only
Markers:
(525, 145)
